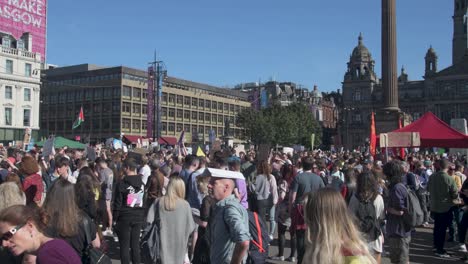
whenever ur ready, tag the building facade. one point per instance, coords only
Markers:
(19, 88)
(443, 92)
(115, 104)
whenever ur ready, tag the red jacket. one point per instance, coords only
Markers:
(33, 188)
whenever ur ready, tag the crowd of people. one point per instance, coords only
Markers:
(336, 207)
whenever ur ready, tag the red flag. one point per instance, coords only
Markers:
(373, 137)
(402, 150)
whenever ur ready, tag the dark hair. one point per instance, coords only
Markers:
(444, 164)
(85, 186)
(394, 171)
(130, 164)
(61, 161)
(61, 208)
(307, 163)
(4, 164)
(21, 214)
(366, 187)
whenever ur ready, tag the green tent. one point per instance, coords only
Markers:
(61, 142)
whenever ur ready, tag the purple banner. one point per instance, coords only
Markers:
(20, 16)
(150, 110)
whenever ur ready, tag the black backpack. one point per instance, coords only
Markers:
(150, 243)
(259, 242)
(414, 216)
(368, 222)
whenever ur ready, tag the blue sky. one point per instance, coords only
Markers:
(223, 43)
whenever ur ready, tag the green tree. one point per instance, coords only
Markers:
(282, 125)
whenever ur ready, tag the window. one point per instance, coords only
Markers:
(220, 119)
(220, 106)
(125, 123)
(171, 127)
(200, 102)
(8, 92)
(8, 116)
(144, 125)
(164, 98)
(116, 92)
(9, 66)
(186, 100)
(180, 99)
(187, 115)
(207, 103)
(208, 117)
(214, 105)
(116, 107)
(164, 112)
(144, 94)
(357, 95)
(126, 107)
(231, 107)
(214, 118)
(97, 93)
(6, 41)
(200, 116)
(226, 107)
(179, 127)
(137, 109)
(194, 101)
(127, 91)
(26, 117)
(27, 94)
(144, 109)
(172, 99)
(164, 127)
(27, 69)
(171, 112)
(137, 93)
(136, 125)
(179, 113)
(194, 116)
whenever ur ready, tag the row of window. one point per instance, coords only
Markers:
(193, 115)
(9, 93)
(9, 68)
(173, 99)
(134, 92)
(9, 42)
(97, 78)
(9, 117)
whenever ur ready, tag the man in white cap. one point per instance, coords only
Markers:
(229, 228)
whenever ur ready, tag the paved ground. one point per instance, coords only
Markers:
(420, 250)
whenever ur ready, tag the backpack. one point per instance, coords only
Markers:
(259, 242)
(414, 216)
(150, 243)
(259, 239)
(368, 222)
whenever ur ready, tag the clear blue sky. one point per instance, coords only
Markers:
(224, 43)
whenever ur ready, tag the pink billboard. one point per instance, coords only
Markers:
(21, 16)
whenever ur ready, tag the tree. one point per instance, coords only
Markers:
(282, 125)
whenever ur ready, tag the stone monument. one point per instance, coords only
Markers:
(388, 116)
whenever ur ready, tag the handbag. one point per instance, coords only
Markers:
(91, 254)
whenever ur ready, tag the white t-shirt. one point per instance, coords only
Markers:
(376, 245)
(145, 171)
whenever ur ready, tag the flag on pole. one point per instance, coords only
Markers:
(79, 120)
(402, 150)
(373, 137)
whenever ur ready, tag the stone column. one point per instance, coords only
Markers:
(389, 56)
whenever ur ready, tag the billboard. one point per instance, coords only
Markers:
(21, 16)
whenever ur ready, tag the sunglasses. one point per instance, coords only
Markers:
(8, 235)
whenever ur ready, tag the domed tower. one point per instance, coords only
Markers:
(431, 63)
(361, 64)
(316, 96)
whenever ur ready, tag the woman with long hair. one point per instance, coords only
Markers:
(367, 195)
(65, 219)
(332, 236)
(11, 194)
(176, 221)
(85, 194)
(263, 189)
(202, 247)
(23, 232)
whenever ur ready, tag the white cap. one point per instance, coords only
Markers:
(217, 173)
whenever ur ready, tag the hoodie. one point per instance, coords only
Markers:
(128, 202)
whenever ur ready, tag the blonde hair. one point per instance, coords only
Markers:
(202, 184)
(10, 194)
(331, 230)
(175, 191)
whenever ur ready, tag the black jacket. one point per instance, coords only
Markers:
(123, 207)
